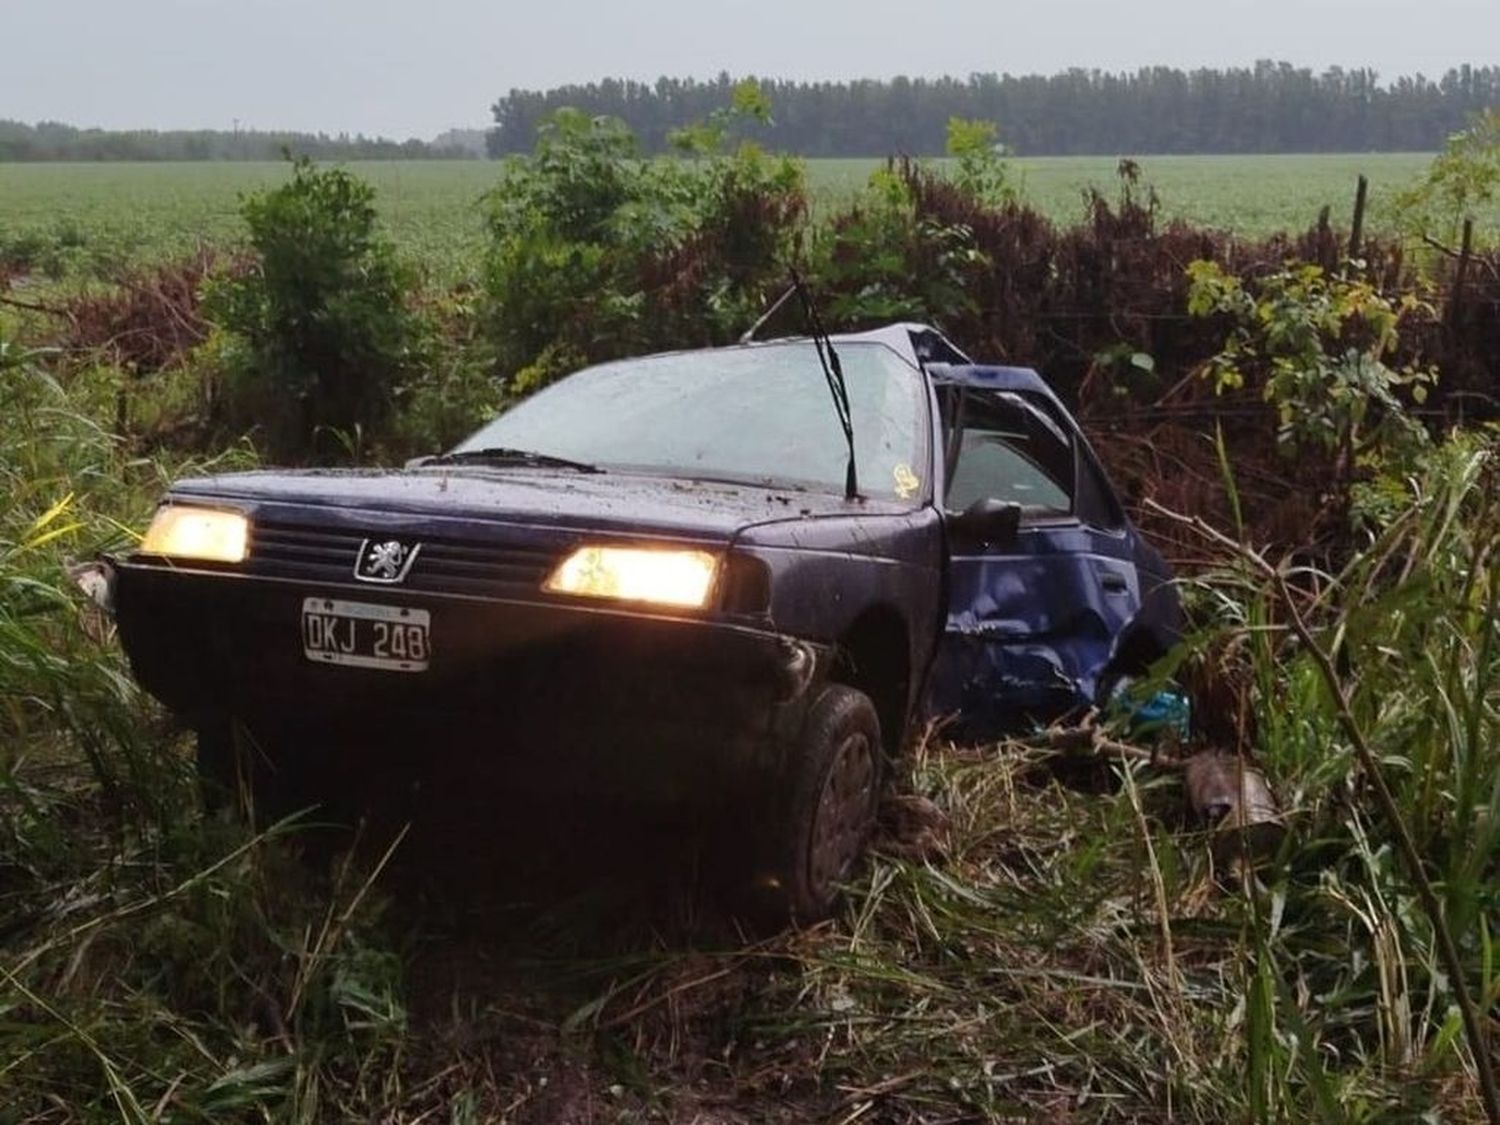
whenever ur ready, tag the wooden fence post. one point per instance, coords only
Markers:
(1357, 231)
(1327, 244)
(1461, 274)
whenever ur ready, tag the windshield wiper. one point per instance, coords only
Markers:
(500, 455)
(833, 372)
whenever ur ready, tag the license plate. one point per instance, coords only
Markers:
(364, 635)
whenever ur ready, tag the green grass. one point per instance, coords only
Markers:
(91, 218)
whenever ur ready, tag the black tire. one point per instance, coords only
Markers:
(828, 810)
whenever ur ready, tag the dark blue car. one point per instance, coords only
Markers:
(654, 579)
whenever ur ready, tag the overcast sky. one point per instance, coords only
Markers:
(415, 67)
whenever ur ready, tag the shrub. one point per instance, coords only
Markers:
(981, 170)
(885, 260)
(1320, 345)
(1463, 182)
(595, 253)
(455, 391)
(323, 334)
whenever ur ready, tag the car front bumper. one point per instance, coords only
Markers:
(625, 701)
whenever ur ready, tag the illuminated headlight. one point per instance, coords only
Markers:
(637, 574)
(182, 532)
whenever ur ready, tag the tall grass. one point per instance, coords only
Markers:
(1093, 953)
(154, 964)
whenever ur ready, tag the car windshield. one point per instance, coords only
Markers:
(759, 414)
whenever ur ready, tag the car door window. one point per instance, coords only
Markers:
(1009, 451)
(1096, 502)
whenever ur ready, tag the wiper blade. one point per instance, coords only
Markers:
(500, 455)
(833, 373)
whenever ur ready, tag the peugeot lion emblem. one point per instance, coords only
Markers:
(385, 560)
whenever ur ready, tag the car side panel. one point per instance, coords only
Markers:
(828, 572)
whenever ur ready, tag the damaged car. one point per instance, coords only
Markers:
(736, 578)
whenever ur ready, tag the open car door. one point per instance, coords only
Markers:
(1042, 565)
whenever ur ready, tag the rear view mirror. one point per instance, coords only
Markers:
(989, 521)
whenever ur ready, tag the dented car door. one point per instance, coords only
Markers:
(1036, 603)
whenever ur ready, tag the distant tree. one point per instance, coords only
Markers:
(1270, 107)
(52, 140)
(470, 142)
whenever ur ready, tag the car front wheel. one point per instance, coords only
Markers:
(830, 807)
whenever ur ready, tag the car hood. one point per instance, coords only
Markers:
(612, 501)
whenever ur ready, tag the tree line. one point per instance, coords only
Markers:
(1270, 107)
(52, 140)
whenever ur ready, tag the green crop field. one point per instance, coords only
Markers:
(91, 217)
(88, 219)
(1252, 195)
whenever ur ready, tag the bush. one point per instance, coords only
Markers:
(455, 391)
(596, 253)
(884, 260)
(980, 157)
(1462, 183)
(1319, 344)
(322, 334)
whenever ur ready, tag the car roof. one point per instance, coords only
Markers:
(991, 376)
(918, 344)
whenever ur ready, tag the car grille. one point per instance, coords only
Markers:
(441, 566)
